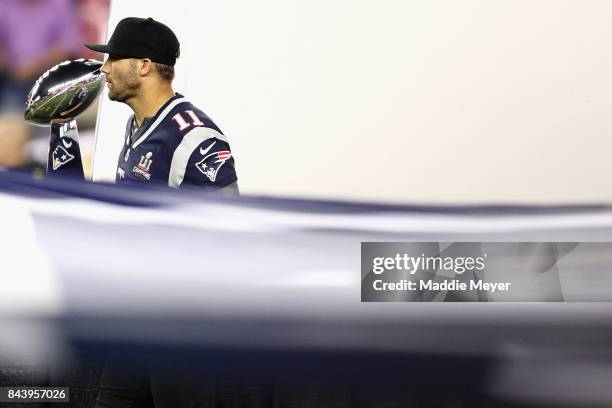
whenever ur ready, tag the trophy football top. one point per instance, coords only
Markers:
(64, 92)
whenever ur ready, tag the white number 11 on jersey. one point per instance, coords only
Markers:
(183, 124)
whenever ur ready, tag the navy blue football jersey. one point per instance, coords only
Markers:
(180, 147)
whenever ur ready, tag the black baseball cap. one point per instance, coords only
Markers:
(142, 38)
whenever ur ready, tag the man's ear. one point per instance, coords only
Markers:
(146, 66)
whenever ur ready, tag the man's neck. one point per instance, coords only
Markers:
(149, 102)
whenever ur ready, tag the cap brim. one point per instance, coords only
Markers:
(103, 48)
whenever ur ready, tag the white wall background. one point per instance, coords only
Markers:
(409, 101)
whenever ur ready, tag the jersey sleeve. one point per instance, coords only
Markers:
(204, 160)
(64, 152)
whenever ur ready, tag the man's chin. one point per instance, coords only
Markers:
(115, 98)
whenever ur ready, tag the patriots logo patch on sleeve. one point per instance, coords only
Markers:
(211, 163)
(60, 157)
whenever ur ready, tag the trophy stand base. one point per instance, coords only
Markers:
(65, 129)
(64, 153)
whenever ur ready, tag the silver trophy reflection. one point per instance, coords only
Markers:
(57, 98)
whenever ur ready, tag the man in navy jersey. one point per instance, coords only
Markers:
(167, 140)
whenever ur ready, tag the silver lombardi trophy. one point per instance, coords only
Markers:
(57, 98)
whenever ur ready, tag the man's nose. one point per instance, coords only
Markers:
(105, 68)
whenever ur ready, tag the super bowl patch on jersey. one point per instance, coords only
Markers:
(211, 163)
(143, 168)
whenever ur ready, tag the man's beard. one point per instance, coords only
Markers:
(128, 88)
(122, 95)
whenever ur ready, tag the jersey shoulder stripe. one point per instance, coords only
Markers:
(158, 120)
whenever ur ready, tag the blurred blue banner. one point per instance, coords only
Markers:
(101, 265)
